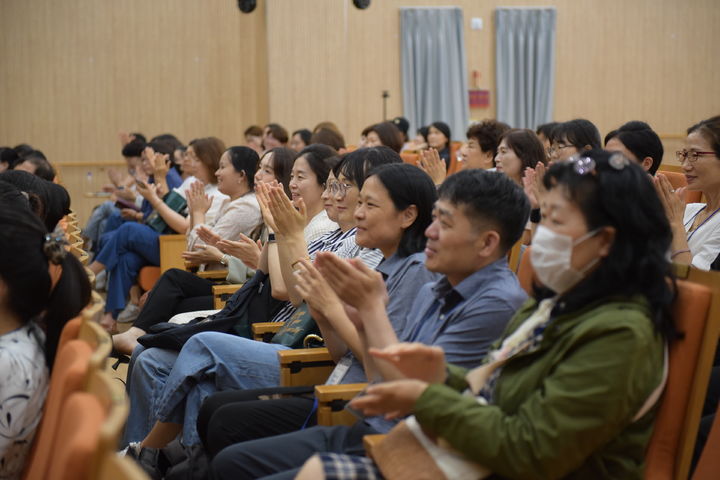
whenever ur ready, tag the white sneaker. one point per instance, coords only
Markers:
(129, 314)
(101, 281)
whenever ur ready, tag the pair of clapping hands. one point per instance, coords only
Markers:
(333, 283)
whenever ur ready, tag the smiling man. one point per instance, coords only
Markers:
(478, 217)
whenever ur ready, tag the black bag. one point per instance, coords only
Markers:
(252, 303)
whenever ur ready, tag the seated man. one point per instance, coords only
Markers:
(477, 218)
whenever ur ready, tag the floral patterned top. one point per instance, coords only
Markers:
(23, 386)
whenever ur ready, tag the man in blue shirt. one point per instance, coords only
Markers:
(478, 217)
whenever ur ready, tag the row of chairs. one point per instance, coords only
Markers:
(85, 408)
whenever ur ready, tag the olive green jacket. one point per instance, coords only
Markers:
(566, 409)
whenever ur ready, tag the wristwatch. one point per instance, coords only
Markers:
(271, 238)
(225, 259)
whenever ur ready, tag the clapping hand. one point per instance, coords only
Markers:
(245, 249)
(431, 163)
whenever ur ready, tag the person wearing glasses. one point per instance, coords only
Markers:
(570, 389)
(572, 137)
(696, 226)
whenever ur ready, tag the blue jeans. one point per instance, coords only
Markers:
(169, 386)
(97, 223)
(126, 251)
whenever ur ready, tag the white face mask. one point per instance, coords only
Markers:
(551, 256)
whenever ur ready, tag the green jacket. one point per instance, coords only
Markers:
(566, 409)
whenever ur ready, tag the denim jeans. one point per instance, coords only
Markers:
(169, 386)
(98, 221)
(126, 251)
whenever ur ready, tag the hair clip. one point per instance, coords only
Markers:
(582, 165)
(618, 161)
(54, 248)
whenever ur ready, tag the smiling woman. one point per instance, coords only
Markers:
(696, 227)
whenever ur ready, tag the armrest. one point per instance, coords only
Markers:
(331, 403)
(264, 331)
(308, 366)
(171, 248)
(371, 442)
(221, 293)
(213, 274)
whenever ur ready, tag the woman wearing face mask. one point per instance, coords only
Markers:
(569, 390)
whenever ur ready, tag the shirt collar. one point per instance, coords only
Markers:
(471, 284)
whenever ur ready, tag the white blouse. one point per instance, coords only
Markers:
(23, 386)
(704, 241)
(241, 215)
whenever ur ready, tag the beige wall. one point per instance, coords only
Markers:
(74, 73)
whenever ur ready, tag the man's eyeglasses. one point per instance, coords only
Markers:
(690, 156)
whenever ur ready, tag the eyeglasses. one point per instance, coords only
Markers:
(338, 188)
(556, 147)
(690, 156)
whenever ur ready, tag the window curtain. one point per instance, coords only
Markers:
(434, 73)
(525, 65)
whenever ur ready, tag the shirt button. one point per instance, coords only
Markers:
(442, 316)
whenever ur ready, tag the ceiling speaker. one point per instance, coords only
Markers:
(247, 6)
(361, 4)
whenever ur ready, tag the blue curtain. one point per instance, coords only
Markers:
(434, 73)
(525, 65)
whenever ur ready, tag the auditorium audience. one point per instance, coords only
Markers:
(600, 324)
(478, 217)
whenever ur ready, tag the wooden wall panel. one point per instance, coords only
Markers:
(76, 72)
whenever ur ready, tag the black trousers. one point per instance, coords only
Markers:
(235, 416)
(281, 457)
(177, 291)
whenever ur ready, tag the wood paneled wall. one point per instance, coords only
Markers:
(74, 73)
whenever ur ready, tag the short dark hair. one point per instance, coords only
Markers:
(321, 160)
(245, 160)
(43, 169)
(138, 136)
(488, 134)
(357, 164)
(254, 130)
(546, 129)
(305, 135)
(278, 132)
(408, 185)
(620, 194)
(641, 140)
(710, 131)
(329, 137)
(490, 197)
(578, 133)
(282, 162)
(526, 145)
(48, 200)
(169, 140)
(389, 135)
(9, 155)
(23, 149)
(134, 148)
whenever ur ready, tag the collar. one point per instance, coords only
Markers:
(472, 284)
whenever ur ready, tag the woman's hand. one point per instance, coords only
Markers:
(415, 360)
(130, 214)
(205, 234)
(198, 201)
(161, 164)
(315, 289)
(431, 163)
(245, 249)
(288, 220)
(203, 254)
(149, 192)
(262, 193)
(395, 399)
(673, 201)
(353, 282)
